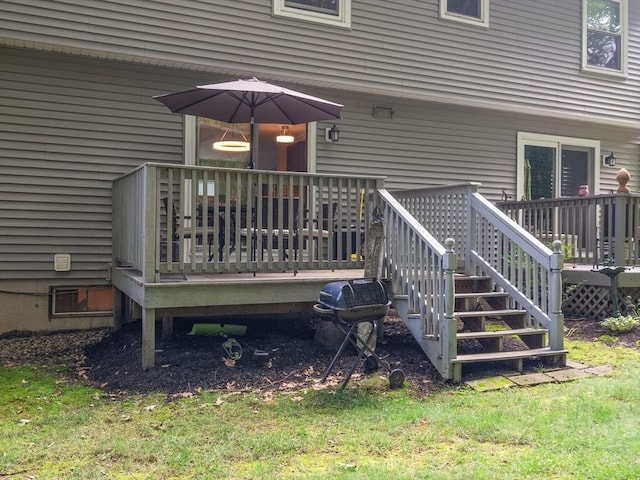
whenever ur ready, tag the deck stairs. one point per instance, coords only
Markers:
(488, 331)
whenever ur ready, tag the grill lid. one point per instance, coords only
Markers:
(350, 294)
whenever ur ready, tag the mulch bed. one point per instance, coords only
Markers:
(290, 361)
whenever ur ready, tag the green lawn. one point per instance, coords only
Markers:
(51, 428)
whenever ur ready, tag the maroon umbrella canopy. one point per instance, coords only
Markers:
(250, 101)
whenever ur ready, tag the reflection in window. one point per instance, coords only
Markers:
(330, 7)
(271, 155)
(604, 33)
(468, 11)
(66, 301)
(552, 167)
(211, 133)
(329, 12)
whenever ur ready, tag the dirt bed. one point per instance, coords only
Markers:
(289, 359)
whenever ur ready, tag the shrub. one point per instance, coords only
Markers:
(621, 323)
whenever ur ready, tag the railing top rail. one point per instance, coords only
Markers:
(438, 248)
(517, 234)
(589, 199)
(177, 166)
(438, 190)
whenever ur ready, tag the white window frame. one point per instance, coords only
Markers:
(538, 139)
(343, 19)
(483, 21)
(624, 42)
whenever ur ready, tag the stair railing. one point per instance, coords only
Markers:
(492, 244)
(422, 272)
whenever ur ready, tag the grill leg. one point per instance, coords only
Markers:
(361, 352)
(339, 352)
(350, 337)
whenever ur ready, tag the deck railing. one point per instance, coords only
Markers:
(593, 229)
(181, 219)
(489, 243)
(421, 271)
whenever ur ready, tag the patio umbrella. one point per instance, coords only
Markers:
(250, 101)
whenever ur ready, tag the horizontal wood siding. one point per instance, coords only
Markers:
(427, 144)
(528, 60)
(68, 127)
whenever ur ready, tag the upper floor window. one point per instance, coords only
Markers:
(475, 12)
(604, 36)
(329, 12)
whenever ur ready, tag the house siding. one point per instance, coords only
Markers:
(76, 108)
(429, 144)
(528, 60)
(68, 127)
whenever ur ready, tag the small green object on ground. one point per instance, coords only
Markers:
(217, 329)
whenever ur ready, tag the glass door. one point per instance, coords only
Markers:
(551, 167)
(556, 171)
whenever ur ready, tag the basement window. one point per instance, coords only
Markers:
(329, 12)
(75, 301)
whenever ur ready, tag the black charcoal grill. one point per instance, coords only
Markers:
(349, 303)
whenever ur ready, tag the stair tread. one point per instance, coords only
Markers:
(514, 355)
(486, 313)
(481, 294)
(501, 333)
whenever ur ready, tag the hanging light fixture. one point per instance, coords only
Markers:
(232, 145)
(285, 136)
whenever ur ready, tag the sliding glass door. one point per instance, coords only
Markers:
(551, 167)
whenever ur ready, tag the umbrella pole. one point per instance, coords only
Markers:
(254, 146)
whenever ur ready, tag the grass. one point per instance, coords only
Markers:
(51, 428)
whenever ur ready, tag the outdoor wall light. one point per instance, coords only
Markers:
(285, 136)
(232, 145)
(332, 134)
(609, 160)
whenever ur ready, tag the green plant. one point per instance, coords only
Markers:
(621, 323)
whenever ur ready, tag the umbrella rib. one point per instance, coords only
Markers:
(200, 100)
(272, 99)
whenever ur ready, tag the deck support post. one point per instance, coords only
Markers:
(555, 301)
(167, 327)
(118, 299)
(148, 338)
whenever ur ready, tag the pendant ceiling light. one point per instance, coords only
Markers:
(232, 145)
(285, 136)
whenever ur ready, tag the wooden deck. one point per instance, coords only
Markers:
(207, 294)
(177, 293)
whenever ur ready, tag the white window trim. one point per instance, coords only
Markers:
(525, 138)
(624, 43)
(343, 19)
(483, 21)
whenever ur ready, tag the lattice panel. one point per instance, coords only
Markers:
(590, 301)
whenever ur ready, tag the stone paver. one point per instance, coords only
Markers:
(599, 370)
(576, 365)
(531, 379)
(490, 383)
(568, 374)
(572, 371)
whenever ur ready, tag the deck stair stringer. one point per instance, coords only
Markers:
(488, 331)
